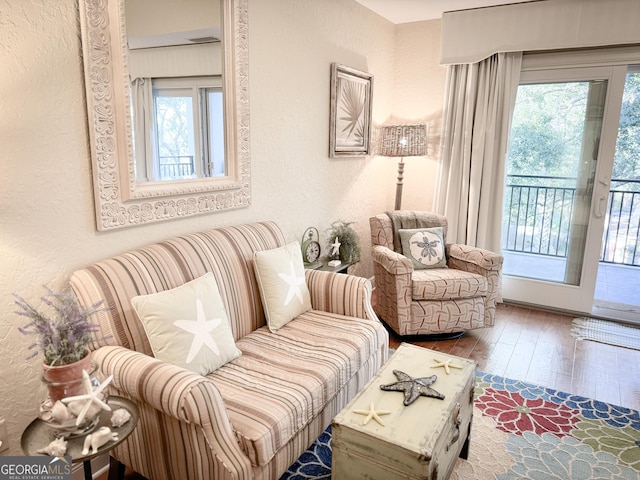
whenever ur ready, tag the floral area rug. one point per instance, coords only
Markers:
(524, 431)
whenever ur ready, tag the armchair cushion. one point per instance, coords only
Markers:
(406, 219)
(281, 279)
(424, 247)
(188, 326)
(446, 284)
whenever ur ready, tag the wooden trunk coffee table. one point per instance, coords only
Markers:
(418, 441)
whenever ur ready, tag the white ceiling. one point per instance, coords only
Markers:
(404, 11)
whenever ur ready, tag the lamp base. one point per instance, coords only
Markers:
(399, 184)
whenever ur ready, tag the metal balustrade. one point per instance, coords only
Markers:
(622, 228)
(538, 210)
(175, 167)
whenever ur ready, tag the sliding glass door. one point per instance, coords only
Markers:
(618, 281)
(557, 184)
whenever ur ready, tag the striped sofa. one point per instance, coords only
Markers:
(254, 416)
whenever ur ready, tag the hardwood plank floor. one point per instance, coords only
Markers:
(536, 346)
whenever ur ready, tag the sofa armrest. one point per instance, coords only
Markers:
(478, 257)
(393, 262)
(340, 293)
(179, 393)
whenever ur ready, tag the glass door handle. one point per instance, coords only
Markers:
(599, 209)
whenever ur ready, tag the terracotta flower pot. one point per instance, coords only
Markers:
(66, 380)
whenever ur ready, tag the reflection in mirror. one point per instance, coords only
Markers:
(177, 97)
(175, 68)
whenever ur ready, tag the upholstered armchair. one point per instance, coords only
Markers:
(417, 299)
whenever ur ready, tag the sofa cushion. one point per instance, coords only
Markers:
(424, 247)
(280, 275)
(446, 284)
(282, 381)
(188, 325)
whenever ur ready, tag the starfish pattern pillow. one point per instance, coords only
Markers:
(188, 326)
(281, 279)
(424, 247)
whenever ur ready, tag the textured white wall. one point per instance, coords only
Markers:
(418, 95)
(47, 225)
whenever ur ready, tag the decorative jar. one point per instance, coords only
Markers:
(70, 418)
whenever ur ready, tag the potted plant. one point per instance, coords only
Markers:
(349, 250)
(63, 332)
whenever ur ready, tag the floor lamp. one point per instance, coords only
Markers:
(402, 141)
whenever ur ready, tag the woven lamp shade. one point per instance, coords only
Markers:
(403, 141)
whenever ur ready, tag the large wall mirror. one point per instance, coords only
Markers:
(168, 105)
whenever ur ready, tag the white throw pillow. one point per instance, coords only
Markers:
(281, 279)
(424, 247)
(188, 326)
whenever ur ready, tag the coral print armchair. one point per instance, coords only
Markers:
(426, 286)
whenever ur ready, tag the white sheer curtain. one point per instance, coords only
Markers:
(142, 104)
(479, 100)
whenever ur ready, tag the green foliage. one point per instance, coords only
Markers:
(546, 134)
(546, 131)
(348, 238)
(627, 158)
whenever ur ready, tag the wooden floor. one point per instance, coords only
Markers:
(537, 346)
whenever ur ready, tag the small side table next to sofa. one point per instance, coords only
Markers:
(325, 267)
(38, 435)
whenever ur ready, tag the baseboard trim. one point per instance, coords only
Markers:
(99, 466)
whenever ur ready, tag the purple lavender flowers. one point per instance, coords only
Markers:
(64, 332)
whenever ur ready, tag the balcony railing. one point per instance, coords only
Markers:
(176, 167)
(538, 211)
(622, 230)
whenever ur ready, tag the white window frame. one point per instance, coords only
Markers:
(197, 88)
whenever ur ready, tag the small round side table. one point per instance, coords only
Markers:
(38, 435)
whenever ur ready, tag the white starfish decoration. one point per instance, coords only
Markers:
(446, 364)
(201, 329)
(91, 396)
(336, 247)
(372, 413)
(295, 283)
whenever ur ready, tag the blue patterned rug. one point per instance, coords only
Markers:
(315, 463)
(524, 431)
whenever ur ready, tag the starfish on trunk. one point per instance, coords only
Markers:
(372, 413)
(446, 364)
(413, 387)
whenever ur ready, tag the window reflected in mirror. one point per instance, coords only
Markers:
(183, 136)
(175, 70)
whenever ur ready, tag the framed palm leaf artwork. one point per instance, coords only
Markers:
(350, 117)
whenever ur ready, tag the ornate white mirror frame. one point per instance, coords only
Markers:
(120, 201)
